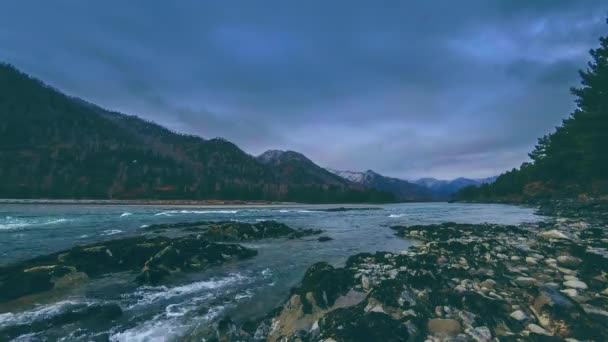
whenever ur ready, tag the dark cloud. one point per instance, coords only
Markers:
(433, 88)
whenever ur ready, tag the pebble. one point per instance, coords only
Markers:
(531, 261)
(575, 284)
(537, 329)
(518, 315)
(446, 327)
(488, 284)
(481, 334)
(568, 261)
(553, 234)
(525, 281)
(570, 292)
(365, 282)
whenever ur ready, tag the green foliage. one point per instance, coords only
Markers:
(574, 158)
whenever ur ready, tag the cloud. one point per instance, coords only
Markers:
(410, 89)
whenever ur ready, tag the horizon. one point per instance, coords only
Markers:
(355, 92)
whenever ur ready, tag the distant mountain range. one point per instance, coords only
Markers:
(446, 188)
(424, 189)
(56, 146)
(403, 190)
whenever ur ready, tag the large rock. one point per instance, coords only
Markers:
(190, 254)
(158, 256)
(352, 324)
(237, 231)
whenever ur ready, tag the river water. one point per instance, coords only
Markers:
(192, 302)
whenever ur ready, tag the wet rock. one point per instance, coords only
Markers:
(519, 315)
(365, 282)
(568, 261)
(537, 329)
(575, 284)
(525, 281)
(325, 283)
(159, 256)
(19, 283)
(444, 327)
(488, 284)
(553, 234)
(189, 254)
(231, 231)
(480, 334)
(349, 324)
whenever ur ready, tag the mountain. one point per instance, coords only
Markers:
(56, 146)
(444, 189)
(296, 168)
(403, 190)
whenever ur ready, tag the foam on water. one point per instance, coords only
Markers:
(167, 326)
(158, 329)
(9, 222)
(125, 214)
(150, 294)
(396, 215)
(177, 212)
(41, 312)
(111, 232)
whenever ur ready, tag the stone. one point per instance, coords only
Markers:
(365, 282)
(481, 334)
(488, 284)
(575, 284)
(518, 315)
(553, 234)
(525, 281)
(569, 261)
(537, 329)
(444, 327)
(570, 292)
(531, 261)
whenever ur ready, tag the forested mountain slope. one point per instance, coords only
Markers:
(56, 146)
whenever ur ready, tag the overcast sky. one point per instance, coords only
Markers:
(406, 88)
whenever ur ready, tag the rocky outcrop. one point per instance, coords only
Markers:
(462, 282)
(237, 231)
(154, 258)
(188, 255)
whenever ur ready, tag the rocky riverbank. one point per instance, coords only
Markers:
(543, 282)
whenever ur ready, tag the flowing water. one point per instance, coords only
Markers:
(192, 302)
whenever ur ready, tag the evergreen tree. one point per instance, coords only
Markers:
(575, 156)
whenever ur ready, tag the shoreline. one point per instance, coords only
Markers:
(186, 203)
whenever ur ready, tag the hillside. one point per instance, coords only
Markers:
(570, 162)
(56, 146)
(403, 190)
